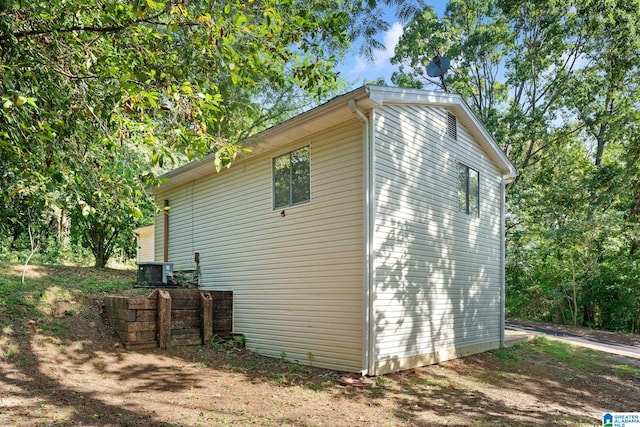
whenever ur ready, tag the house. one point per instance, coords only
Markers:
(145, 241)
(365, 235)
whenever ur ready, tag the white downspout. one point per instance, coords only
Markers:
(368, 344)
(503, 249)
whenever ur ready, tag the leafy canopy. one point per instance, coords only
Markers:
(87, 86)
(556, 82)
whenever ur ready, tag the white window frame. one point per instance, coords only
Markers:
(468, 196)
(274, 176)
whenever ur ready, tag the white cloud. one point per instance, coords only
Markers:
(382, 58)
(390, 41)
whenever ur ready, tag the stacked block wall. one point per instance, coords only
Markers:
(135, 319)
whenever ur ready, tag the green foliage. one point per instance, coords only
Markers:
(474, 36)
(510, 354)
(557, 83)
(217, 345)
(60, 283)
(614, 286)
(577, 358)
(630, 370)
(93, 98)
(105, 203)
(559, 352)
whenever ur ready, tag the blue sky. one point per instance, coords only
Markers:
(356, 69)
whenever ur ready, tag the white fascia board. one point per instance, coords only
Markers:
(328, 114)
(395, 96)
(337, 110)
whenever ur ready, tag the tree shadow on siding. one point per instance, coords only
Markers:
(424, 247)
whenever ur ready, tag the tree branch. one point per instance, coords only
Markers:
(101, 30)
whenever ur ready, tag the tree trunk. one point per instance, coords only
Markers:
(574, 300)
(101, 261)
(588, 314)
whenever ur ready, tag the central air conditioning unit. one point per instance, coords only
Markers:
(154, 274)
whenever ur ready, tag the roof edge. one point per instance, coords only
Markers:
(385, 95)
(377, 96)
(255, 140)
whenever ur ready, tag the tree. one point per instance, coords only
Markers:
(83, 86)
(368, 22)
(510, 61)
(605, 102)
(106, 200)
(557, 83)
(588, 94)
(474, 36)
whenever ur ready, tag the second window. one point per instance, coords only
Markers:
(468, 190)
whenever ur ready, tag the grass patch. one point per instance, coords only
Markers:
(42, 282)
(577, 358)
(429, 381)
(8, 349)
(11, 352)
(630, 370)
(509, 354)
(54, 327)
(558, 350)
(45, 287)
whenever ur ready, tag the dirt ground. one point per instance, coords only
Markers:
(88, 379)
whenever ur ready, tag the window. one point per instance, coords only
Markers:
(468, 190)
(291, 183)
(452, 126)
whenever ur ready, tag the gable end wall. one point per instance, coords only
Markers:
(436, 270)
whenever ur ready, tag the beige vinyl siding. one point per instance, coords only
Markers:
(298, 279)
(158, 232)
(436, 270)
(146, 244)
